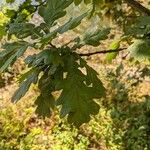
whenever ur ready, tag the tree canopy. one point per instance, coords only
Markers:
(59, 68)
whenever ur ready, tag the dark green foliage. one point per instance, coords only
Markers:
(140, 27)
(93, 38)
(61, 68)
(25, 85)
(78, 93)
(71, 24)
(140, 49)
(54, 10)
(22, 30)
(45, 101)
(11, 53)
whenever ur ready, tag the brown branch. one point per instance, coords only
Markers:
(102, 52)
(136, 5)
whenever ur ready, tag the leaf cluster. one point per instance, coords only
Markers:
(61, 68)
(54, 68)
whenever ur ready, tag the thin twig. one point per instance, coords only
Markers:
(102, 52)
(37, 6)
(53, 46)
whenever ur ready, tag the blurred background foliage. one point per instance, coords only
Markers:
(123, 122)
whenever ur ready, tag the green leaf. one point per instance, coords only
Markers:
(77, 2)
(77, 96)
(49, 37)
(76, 100)
(23, 76)
(45, 101)
(111, 56)
(143, 20)
(72, 23)
(48, 57)
(44, 104)
(93, 80)
(2, 31)
(25, 85)
(22, 30)
(114, 46)
(11, 53)
(97, 85)
(140, 49)
(8, 62)
(10, 13)
(43, 57)
(140, 28)
(8, 48)
(54, 10)
(93, 37)
(44, 27)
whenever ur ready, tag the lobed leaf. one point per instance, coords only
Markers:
(140, 49)
(76, 100)
(94, 37)
(11, 53)
(71, 24)
(25, 85)
(54, 10)
(45, 101)
(77, 97)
